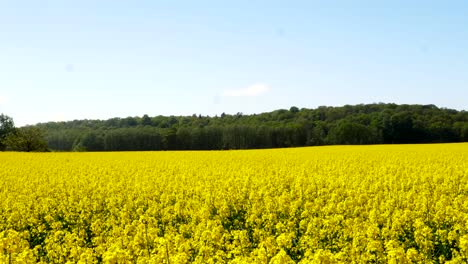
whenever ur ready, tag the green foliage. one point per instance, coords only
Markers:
(7, 126)
(349, 133)
(294, 109)
(464, 132)
(26, 139)
(350, 124)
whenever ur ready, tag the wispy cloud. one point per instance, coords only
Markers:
(251, 91)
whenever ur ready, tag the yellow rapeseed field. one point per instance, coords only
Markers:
(343, 204)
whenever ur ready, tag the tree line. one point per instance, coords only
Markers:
(358, 124)
(294, 127)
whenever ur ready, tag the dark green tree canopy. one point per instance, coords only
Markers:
(7, 126)
(349, 124)
(27, 139)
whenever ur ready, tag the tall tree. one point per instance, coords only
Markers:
(7, 126)
(27, 139)
(146, 120)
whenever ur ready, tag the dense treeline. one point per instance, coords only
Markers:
(359, 124)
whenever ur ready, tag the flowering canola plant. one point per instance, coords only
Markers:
(336, 204)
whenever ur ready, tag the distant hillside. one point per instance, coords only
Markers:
(349, 124)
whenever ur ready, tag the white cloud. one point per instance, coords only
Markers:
(251, 91)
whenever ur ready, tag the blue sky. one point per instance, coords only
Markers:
(65, 60)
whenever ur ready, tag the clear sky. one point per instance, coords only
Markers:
(64, 60)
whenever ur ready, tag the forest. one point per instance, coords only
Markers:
(346, 125)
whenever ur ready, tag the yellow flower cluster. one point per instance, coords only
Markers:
(343, 204)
